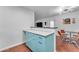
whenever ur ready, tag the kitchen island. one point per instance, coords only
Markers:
(40, 39)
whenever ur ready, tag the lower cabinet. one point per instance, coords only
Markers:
(39, 43)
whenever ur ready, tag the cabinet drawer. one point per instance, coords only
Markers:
(36, 41)
(36, 44)
(39, 36)
(30, 35)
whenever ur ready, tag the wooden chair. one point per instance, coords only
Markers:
(64, 36)
(76, 36)
(59, 33)
(63, 33)
(75, 40)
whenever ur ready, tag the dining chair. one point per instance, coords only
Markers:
(63, 36)
(63, 33)
(75, 40)
(76, 36)
(59, 33)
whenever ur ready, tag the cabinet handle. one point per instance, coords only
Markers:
(39, 42)
(40, 37)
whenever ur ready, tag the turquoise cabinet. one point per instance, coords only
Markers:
(39, 43)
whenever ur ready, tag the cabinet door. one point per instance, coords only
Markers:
(49, 43)
(40, 43)
(29, 36)
(36, 43)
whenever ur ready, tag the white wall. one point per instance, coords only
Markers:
(12, 22)
(67, 27)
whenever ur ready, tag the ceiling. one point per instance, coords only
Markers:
(45, 11)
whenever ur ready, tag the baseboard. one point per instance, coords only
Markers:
(11, 46)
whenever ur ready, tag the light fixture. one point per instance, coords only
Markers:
(66, 9)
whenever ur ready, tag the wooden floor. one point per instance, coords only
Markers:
(19, 48)
(62, 47)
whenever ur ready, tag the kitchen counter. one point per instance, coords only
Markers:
(40, 31)
(40, 39)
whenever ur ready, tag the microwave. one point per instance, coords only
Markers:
(39, 24)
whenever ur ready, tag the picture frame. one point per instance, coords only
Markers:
(67, 21)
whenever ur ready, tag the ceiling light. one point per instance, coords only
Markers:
(65, 9)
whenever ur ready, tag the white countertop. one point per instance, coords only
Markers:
(71, 30)
(40, 31)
